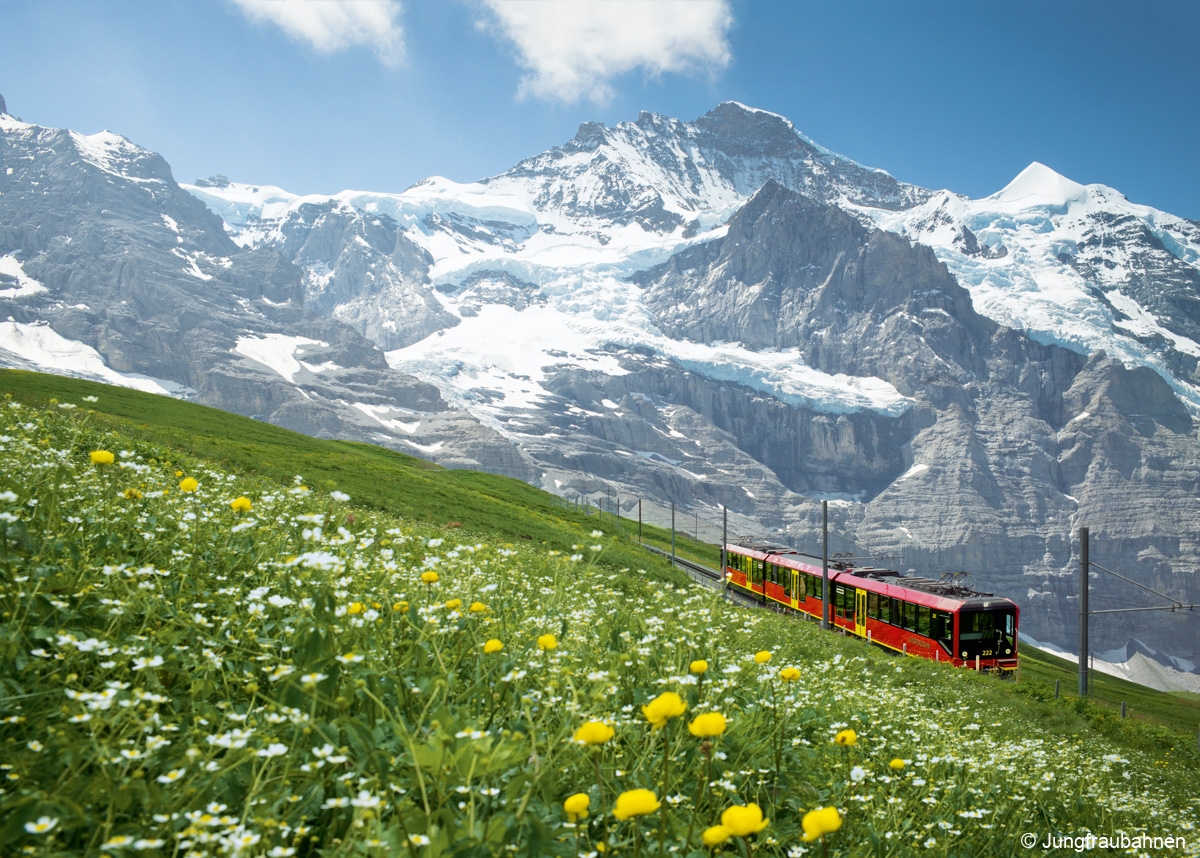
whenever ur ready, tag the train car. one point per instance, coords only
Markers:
(942, 620)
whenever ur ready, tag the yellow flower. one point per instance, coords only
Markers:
(547, 642)
(133, 494)
(663, 708)
(846, 737)
(762, 656)
(454, 604)
(189, 484)
(400, 607)
(817, 823)
(240, 504)
(493, 645)
(429, 577)
(708, 724)
(477, 608)
(698, 666)
(896, 764)
(635, 802)
(593, 733)
(744, 820)
(716, 835)
(577, 806)
(356, 608)
(789, 674)
(179, 473)
(101, 457)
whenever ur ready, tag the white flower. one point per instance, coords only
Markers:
(340, 496)
(418, 840)
(365, 799)
(276, 749)
(143, 663)
(858, 774)
(171, 776)
(42, 826)
(312, 678)
(335, 802)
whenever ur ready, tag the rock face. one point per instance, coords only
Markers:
(705, 314)
(135, 271)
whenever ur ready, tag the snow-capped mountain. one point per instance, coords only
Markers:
(721, 312)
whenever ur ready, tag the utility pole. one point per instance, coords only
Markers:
(825, 565)
(639, 521)
(672, 533)
(724, 542)
(1083, 612)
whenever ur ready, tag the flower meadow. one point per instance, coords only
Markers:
(194, 663)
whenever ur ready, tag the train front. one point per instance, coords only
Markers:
(987, 631)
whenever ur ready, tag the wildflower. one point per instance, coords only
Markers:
(350, 658)
(356, 608)
(400, 607)
(477, 608)
(789, 674)
(418, 840)
(896, 764)
(42, 826)
(716, 835)
(576, 807)
(101, 457)
(429, 577)
(744, 820)
(492, 646)
(115, 843)
(858, 774)
(635, 802)
(132, 493)
(846, 737)
(547, 642)
(593, 733)
(240, 504)
(819, 822)
(707, 724)
(340, 497)
(762, 656)
(698, 666)
(664, 707)
(312, 678)
(277, 749)
(171, 776)
(454, 604)
(188, 484)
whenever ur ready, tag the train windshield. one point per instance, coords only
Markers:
(988, 634)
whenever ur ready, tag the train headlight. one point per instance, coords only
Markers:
(1008, 652)
(964, 654)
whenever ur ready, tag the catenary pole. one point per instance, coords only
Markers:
(825, 565)
(672, 533)
(1083, 612)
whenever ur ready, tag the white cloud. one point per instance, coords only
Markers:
(332, 25)
(574, 48)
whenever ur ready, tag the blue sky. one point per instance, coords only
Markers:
(321, 95)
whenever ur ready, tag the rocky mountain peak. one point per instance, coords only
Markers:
(738, 128)
(3, 108)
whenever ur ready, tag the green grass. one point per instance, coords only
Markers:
(1179, 712)
(375, 477)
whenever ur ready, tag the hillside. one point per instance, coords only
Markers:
(195, 657)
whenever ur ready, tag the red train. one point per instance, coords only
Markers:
(942, 620)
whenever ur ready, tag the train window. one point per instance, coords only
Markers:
(923, 620)
(908, 615)
(873, 605)
(941, 626)
(839, 600)
(977, 625)
(885, 608)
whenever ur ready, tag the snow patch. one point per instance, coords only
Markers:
(48, 351)
(277, 353)
(23, 286)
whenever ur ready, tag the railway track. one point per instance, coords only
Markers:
(708, 577)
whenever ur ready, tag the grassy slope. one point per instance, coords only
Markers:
(500, 507)
(495, 506)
